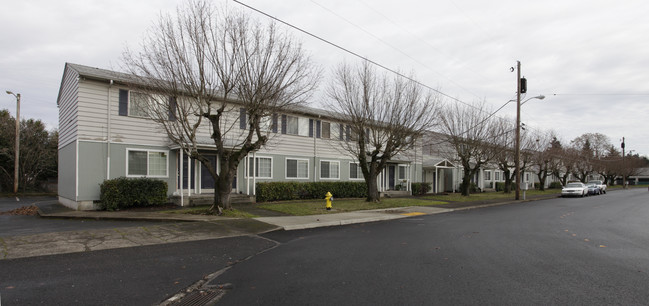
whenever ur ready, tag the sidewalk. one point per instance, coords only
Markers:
(171, 228)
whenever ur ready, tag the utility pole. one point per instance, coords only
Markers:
(17, 140)
(517, 157)
(623, 167)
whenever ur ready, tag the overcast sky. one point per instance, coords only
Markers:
(589, 58)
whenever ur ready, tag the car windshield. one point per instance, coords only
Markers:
(591, 185)
(573, 185)
(595, 182)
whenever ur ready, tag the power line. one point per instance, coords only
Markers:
(357, 55)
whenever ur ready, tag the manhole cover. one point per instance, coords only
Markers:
(200, 297)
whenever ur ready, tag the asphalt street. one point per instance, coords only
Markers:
(566, 251)
(29, 225)
(126, 276)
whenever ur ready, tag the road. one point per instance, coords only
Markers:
(577, 251)
(574, 251)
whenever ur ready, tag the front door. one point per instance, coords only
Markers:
(391, 174)
(207, 181)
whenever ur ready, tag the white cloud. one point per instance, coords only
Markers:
(591, 53)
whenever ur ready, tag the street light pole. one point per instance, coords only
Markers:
(623, 167)
(517, 157)
(17, 140)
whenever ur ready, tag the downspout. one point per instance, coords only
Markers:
(315, 155)
(180, 167)
(108, 132)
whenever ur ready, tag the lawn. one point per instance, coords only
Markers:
(485, 196)
(315, 207)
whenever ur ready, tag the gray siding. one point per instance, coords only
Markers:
(68, 107)
(92, 155)
(67, 171)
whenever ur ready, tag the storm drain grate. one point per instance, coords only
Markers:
(200, 298)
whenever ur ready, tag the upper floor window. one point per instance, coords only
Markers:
(139, 104)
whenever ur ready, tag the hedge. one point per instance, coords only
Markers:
(555, 185)
(281, 191)
(120, 193)
(420, 188)
(500, 186)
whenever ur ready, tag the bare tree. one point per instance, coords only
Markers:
(207, 68)
(544, 157)
(385, 117)
(471, 133)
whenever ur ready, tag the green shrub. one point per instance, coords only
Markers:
(500, 186)
(472, 187)
(555, 185)
(282, 191)
(420, 188)
(120, 193)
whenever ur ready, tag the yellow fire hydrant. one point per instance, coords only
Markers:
(329, 198)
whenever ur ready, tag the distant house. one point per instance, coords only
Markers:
(103, 136)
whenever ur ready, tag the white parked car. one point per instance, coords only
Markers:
(575, 189)
(600, 184)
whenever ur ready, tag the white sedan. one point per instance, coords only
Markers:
(574, 189)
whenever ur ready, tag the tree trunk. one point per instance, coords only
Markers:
(372, 189)
(508, 181)
(542, 178)
(222, 192)
(466, 184)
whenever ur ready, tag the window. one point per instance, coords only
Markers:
(138, 104)
(487, 175)
(402, 172)
(297, 168)
(263, 167)
(355, 172)
(497, 175)
(329, 169)
(326, 130)
(147, 163)
(527, 177)
(292, 125)
(304, 126)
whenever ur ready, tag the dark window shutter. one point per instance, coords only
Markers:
(274, 123)
(310, 127)
(123, 102)
(341, 133)
(172, 109)
(367, 135)
(283, 124)
(318, 129)
(348, 133)
(242, 118)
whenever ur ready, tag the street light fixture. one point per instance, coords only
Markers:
(17, 151)
(517, 157)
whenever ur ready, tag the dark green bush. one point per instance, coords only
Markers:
(472, 187)
(281, 191)
(420, 188)
(120, 193)
(555, 185)
(500, 186)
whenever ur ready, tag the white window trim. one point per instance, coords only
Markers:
(308, 172)
(329, 178)
(359, 171)
(260, 177)
(147, 163)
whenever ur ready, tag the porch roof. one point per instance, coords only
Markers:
(438, 163)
